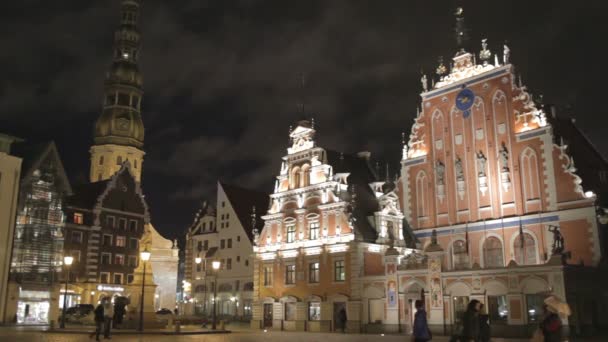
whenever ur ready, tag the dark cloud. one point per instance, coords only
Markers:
(222, 78)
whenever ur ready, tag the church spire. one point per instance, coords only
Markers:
(119, 130)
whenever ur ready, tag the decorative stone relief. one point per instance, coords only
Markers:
(439, 144)
(503, 156)
(502, 128)
(460, 186)
(440, 172)
(479, 134)
(458, 139)
(481, 172)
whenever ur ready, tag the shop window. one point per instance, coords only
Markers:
(525, 250)
(290, 274)
(314, 311)
(339, 271)
(313, 272)
(268, 274)
(534, 307)
(460, 307)
(498, 309)
(290, 311)
(313, 231)
(291, 233)
(492, 253)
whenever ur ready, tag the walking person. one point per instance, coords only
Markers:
(421, 328)
(99, 319)
(108, 313)
(484, 324)
(551, 326)
(470, 322)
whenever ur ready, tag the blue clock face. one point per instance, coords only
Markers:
(464, 101)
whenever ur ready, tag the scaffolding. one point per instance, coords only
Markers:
(38, 241)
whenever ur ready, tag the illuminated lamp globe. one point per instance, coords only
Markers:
(68, 260)
(198, 260)
(145, 255)
(215, 264)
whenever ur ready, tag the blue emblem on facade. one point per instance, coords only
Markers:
(464, 101)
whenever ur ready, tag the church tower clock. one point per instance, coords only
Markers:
(119, 130)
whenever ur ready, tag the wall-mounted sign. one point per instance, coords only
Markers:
(110, 288)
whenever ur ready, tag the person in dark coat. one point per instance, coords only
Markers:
(99, 320)
(342, 319)
(551, 326)
(470, 322)
(421, 328)
(484, 325)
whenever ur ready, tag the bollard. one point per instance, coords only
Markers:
(178, 327)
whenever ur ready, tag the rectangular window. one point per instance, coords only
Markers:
(339, 271)
(134, 98)
(133, 226)
(229, 243)
(76, 237)
(122, 223)
(290, 274)
(199, 245)
(206, 245)
(497, 309)
(104, 277)
(222, 216)
(222, 225)
(121, 241)
(223, 204)
(314, 311)
(132, 261)
(111, 222)
(313, 231)
(246, 262)
(76, 255)
(238, 238)
(227, 216)
(291, 233)
(107, 240)
(106, 258)
(313, 272)
(222, 243)
(117, 278)
(268, 271)
(78, 218)
(460, 307)
(130, 278)
(238, 258)
(229, 264)
(290, 311)
(227, 224)
(119, 259)
(223, 264)
(534, 307)
(133, 243)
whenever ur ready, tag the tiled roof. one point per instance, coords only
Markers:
(85, 195)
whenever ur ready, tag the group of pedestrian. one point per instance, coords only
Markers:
(476, 325)
(104, 312)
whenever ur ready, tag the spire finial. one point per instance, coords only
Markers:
(460, 30)
(441, 69)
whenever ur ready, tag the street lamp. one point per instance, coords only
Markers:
(215, 264)
(145, 256)
(67, 261)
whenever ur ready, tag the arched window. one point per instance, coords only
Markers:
(101, 160)
(529, 174)
(295, 177)
(492, 252)
(305, 175)
(119, 160)
(421, 194)
(525, 254)
(460, 257)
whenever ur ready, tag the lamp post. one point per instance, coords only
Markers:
(145, 256)
(67, 261)
(198, 261)
(216, 266)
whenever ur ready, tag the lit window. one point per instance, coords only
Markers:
(119, 259)
(313, 231)
(314, 311)
(525, 254)
(313, 272)
(339, 271)
(291, 233)
(290, 274)
(492, 252)
(121, 241)
(460, 257)
(497, 309)
(78, 218)
(268, 271)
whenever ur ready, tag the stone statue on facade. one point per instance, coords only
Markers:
(503, 155)
(425, 83)
(440, 171)
(558, 240)
(506, 54)
(458, 167)
(481, 164)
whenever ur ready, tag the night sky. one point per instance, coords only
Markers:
(222, 78)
